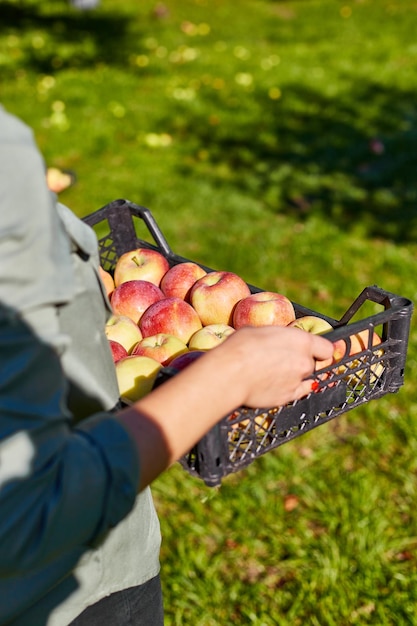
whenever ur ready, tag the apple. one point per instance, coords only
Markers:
(265, 308)
(210, 336)
(242, 429)
(133, 297)
(179, 279)
(136, 376)
(171, 316)
(215, 295)
(312, 324)
(124, 330)
(359, 342)
(140, 264)
(107, 280)
(118, 351)
(161, 347)
(184, 360)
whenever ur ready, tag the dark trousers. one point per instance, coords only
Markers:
(137, 606)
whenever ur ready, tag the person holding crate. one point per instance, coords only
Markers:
(79, 535)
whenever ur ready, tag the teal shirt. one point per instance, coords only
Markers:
(72, 530)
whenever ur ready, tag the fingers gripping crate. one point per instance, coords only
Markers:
(239, 438)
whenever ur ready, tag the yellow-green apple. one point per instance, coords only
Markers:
(312, 324)
(161, 347)
(117, 350)
(136, 376)
(133, 297)
(184, 360)
(107, 280)
(210, 336)
(172, 316)
(179, 279)
(238, 430)
(140, 264)
(124, 330)
(265, 308)
(215, 295)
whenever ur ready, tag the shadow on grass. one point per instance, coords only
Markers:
(70, 37)
(350, 159)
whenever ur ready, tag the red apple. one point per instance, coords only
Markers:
(118, 351)
(140, 264)
(179, 279)
(161, 347)
(136, 376)
(133, 297)
(184, 360)
(359, 342)
(171, 316)
(210, 336)
(265, 308)
(124, 330)
(215, 295)
(107, 280)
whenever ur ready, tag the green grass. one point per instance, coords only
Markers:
(277, 140)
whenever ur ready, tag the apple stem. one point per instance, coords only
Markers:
(136, 260)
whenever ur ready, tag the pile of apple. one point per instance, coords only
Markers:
(165, 315)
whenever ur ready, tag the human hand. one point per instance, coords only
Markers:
(274, 363)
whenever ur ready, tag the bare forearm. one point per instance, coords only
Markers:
(169, 421)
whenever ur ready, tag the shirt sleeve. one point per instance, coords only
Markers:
(61, 488)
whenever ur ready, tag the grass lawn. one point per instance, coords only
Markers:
(276, 139)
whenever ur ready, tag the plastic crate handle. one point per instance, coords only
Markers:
(119, 216)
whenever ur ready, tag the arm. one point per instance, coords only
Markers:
(61, 487)
(70, 485)
(254, 367)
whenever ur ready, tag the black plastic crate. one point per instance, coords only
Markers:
(246, 434)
